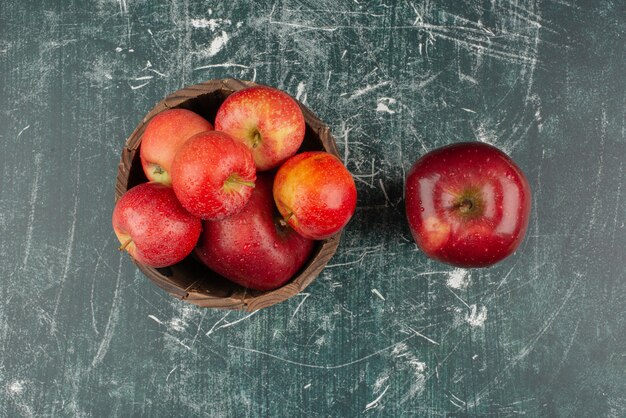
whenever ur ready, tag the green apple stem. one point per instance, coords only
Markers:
(125, 244)
(234, 178)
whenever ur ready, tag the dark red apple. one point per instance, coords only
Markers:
(315, 193)
(153, 227)
(266, 120)
(164, 135)
(213, 175)
(467, 204)
(254, 248)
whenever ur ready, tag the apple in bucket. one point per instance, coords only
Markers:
(254, 248)
(153, 227)
(268, 121)
(164, 135)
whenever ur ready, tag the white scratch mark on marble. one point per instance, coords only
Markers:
(199, 328)
(93, 284)
(177, 324)
(346, 143)
(419, 334)
(221, 65)
(476, 316)
(170, 373)
(218, 43)
(366, 251)
(230, 324)
(32, 204)
(158, 72)
(375, 403)
(548, 323)
(458, 278)
(211, 24)
(324, 367)
(22, 131)
(70, 244)
(179, 342)
(139, 86)
(111, 322)
(377, 293)
(428, 80)
(383, 103)
(297, 25)
(418, 382)
(367, 89)
(15, 390)
(306, 295)
(16, 387)
(382, 187)
(123, 6)
(301, 92)
(217, 323)
(456, 399)
(457, 296)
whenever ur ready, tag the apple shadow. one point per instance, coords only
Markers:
(381, 215)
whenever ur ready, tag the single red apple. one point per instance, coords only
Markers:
(266, 120)
(153, 227)
(254, 248)
(164, 135)
(315, 193)
(467, 204)
(213, 175)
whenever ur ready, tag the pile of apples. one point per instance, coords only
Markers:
(236, 193)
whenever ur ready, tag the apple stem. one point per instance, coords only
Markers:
(256, 139)
(238, 180)
(465, 206)
(125, 244)
(285, 220)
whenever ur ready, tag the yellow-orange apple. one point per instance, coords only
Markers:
(315, 194)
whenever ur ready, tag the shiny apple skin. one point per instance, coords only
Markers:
(253, 248)
(164, 135)
(467, 204)
(201, 171)
(315, 193)
(271, 113)
(162, 231)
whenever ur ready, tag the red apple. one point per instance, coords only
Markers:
(213, 175)
(467, 204)
(153, 227)
(164, 135)
(266, 120)
(315, 193)
(254, 248)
